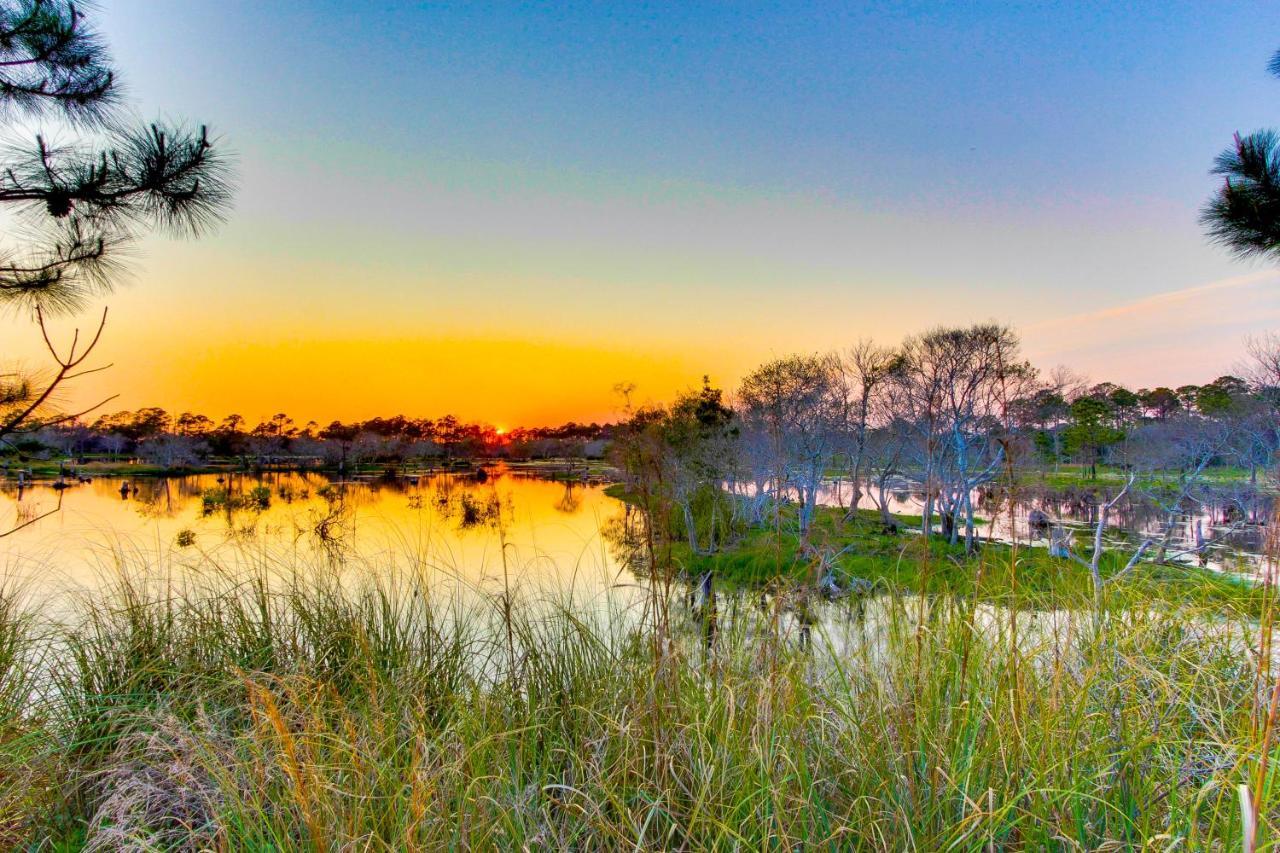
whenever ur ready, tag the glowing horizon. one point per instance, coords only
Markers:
(470, 377)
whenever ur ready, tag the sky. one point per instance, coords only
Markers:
(504, 210)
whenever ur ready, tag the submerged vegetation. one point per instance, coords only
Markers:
(222, 499)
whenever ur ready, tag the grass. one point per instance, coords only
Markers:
(1027, 576)
(302, 710)
(1075, 475)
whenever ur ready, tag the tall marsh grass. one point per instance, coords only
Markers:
(311, 712)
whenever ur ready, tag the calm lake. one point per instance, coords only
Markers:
(451, 525)
(554, 536)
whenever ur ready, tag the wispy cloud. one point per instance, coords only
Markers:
(1160, 301)
(1191, 334)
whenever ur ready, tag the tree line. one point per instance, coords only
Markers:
(189, 439)
(942, 414)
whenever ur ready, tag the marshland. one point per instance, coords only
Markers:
(638, 427)
(681, 643)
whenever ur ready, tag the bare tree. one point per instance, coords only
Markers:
(1263, 367)
(1094, 563)
(793, 402)
(865, 371)
(170, 450)
(1172, 456)
(954, 387)
(753, 486)
(1067, 382)
(884, 463)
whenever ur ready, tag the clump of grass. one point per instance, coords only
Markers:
(257, 499)
(28, 776)
(316, 710)
(159, 791)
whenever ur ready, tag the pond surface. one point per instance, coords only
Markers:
(456, 526)
(554, 536)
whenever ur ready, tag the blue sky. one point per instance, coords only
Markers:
(703, 185)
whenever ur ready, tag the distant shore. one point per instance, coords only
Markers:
(54, 469)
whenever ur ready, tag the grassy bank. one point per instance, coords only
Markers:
(859, 549)
(48, 470)
(294, 713)
(1026, 576)
(1073, 476)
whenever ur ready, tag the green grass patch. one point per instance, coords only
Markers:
(1025, 576)
(1076, 476)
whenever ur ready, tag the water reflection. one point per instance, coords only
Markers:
(1232, 517)
(463, 525)
(452, 523)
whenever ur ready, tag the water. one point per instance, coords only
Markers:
(1231, 518)
(553, 535)
(456, 527)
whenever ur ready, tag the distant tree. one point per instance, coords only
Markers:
(1160, 402)
(1244, 215)
(1263, 368)
(1045, 410)
(1233, 385)
(69, 439)
(114, 443)
(1187, 395)
(343, 436)
(1220, 395)
(192, 424)
(1126, 403)
(271, 437)
(1103, 390)
(81, 202)
(228, 438)
(1256, 435)
(169, 450)
(1179, 449)
(144, 423)
(1090, 432)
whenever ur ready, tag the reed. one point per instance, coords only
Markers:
(306, 709)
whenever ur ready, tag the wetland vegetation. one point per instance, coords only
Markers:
(836, 609)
